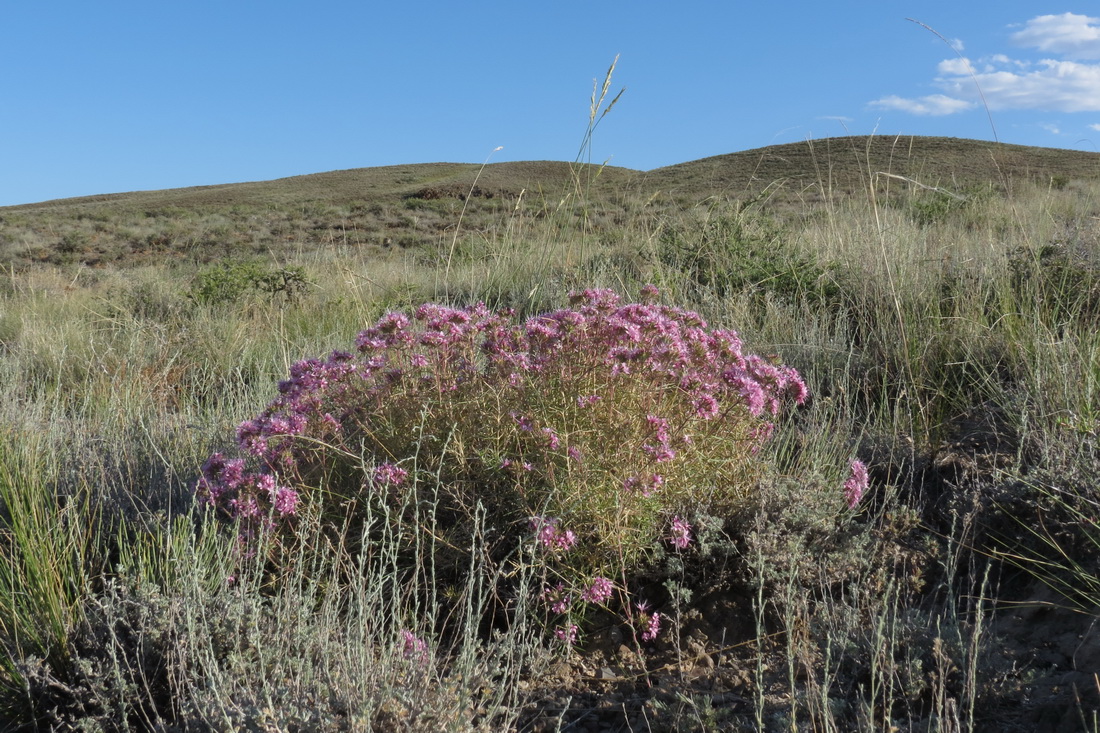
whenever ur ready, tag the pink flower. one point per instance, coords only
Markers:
(567, 635)
(750, 390)
(558, 599)
(523, 421)
(550, 535)
(285, 500)
(856, 484)
(795, 386)
(599, 592)
(552, 439)
(660, 427)
(644, 485)
(387, 474)
(650, 621)
(680, 533)
(413, 647)
(250, 437)
(661, 454)
(706, 407)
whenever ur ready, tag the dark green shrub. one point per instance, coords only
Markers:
(1061, 283)
(747, 252)
(936, 206)
(231, 282)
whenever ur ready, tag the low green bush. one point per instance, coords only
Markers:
(230, 282)
(747, 252)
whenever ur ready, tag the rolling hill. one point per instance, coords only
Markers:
(407, 205)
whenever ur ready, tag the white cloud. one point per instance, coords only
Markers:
(955, 66)
(1070, 84)
(931, 105)
(1095, 127)
(1059, 86)
(1051, 128)
(1070, 35)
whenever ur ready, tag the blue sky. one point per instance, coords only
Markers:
(119, 96)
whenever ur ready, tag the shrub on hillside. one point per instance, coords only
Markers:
(230, 282)
(591, 436)
(747, 252)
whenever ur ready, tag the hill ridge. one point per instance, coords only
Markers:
(842, 160)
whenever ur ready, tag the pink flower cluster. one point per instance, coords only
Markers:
(550, 535)
(248, 496)
(387, 474)
(559, 416)
(644, 485)
(648, 622)
(567, 635)
(413, 647)
(558, 600)
(856, 483)
(661, 451)
(599, 591)
(680, 533)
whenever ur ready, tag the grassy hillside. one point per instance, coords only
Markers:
(849, 165)
(417, 205)
(593, 520)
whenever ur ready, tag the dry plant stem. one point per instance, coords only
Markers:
(975, 647)
(458, 224)
(762, 636)
(969, 68)
(894, 291)
(918, 184)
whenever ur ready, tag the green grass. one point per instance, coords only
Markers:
(47, 545)
(948, 342)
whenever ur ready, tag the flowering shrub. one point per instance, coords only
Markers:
(590, 432)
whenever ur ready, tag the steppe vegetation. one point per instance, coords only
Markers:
(471, 546)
